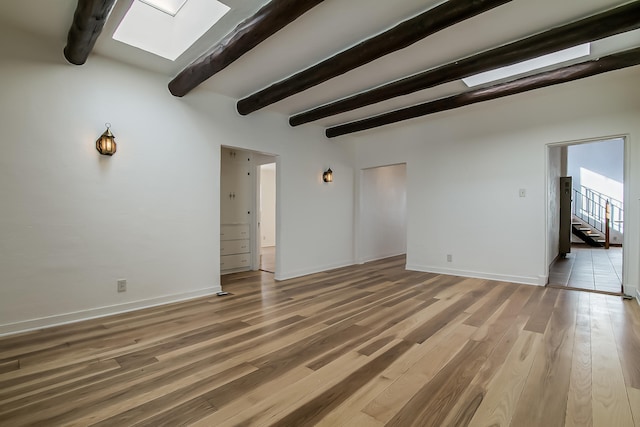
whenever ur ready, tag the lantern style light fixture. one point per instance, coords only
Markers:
(327, 176)
(106, 144)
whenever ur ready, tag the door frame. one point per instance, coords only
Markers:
(256, 158)
(626, 178)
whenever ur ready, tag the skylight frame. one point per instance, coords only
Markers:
(523, 67)
(148, 28)
(162, 5)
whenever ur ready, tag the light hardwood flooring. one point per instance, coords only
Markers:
(367, 345)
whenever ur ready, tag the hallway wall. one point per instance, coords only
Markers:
(268, 208)
(598, 165)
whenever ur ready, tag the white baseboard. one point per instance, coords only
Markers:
(77, 316)
(378, 257)
(525, 280)
(304, 272)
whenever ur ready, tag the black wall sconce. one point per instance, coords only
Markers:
(327, 176)
(106, 144)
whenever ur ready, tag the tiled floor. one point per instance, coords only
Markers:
(594, 269)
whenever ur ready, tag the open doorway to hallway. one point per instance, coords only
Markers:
(588, 252)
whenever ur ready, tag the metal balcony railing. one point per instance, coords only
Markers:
(591, 207)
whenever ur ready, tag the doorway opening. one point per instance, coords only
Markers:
(247, 210)
(585, 218)
(382, 213)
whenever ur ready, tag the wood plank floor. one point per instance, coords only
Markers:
(367, 345)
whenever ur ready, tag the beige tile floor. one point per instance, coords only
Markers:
(594, 269)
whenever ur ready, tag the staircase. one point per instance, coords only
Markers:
(586, 232)
(595, 215)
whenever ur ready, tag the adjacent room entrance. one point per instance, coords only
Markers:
(247, 211)
(592, 210)
(382, 230)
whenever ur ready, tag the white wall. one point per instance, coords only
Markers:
(268, 205)
(73, 222)
(604, 158)
(474, 160)
(382, 212)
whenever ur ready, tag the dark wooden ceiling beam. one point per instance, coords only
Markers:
(617, 61)
(615, 21)
(399, 37)
(271, 18)
(88, 21)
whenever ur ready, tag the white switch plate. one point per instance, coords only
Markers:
(523, 192)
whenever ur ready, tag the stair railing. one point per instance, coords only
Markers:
(591, 207)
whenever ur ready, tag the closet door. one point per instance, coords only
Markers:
(235, 187)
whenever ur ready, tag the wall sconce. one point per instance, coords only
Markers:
(327, 176)
(106, 144)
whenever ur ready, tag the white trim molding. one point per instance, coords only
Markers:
(304, 272)
(93, 313)
(524, 280)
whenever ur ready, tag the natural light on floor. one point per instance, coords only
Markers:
(530, 65)
(156, 30)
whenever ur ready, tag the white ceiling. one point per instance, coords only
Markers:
(326, 29)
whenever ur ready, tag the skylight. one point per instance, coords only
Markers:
(167, 6)
(529, 65)
(156, 29)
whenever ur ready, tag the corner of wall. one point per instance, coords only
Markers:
(286, 275)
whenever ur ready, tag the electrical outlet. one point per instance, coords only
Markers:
(449, 258)
(122, 285)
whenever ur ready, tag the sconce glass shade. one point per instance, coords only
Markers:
(328, 175)
(106, 144)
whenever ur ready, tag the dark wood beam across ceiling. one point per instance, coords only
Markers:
(271, 18)
(605, 64)
(398, 37)
(614, 21)
(88, 21)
